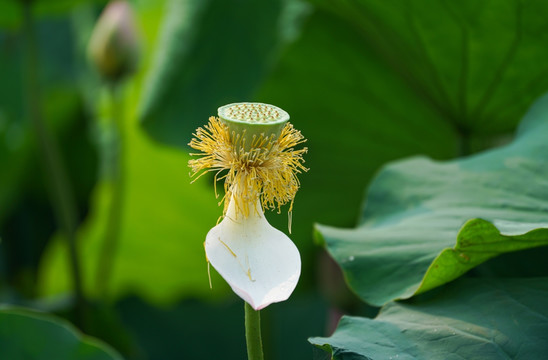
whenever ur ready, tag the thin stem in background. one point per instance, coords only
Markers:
(116, 177)
(253, 333)
(63, 202)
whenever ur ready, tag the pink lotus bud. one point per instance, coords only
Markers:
(113, 47)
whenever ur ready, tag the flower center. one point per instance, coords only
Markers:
(255, 144)
(251, 120)
(253, 113)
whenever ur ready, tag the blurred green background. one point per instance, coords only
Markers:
(91, 160)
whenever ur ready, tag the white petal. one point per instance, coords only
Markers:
(259, 262)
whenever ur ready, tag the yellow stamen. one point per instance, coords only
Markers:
(247, 272)
(229, 249)
(209, 275)
(268, 170)
(208, 271)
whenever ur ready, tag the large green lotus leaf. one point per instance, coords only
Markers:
(372, 81)
(29, 335)
(159, 254)
(426, 222)
(211, 53)
(467, 59)
(471, 319)
(338, 94)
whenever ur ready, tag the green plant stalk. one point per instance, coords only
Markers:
(253, 333)
(117, 177)
(63, 202)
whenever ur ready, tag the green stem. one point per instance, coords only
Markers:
(253, 333)
(63, 202)
(116, 176)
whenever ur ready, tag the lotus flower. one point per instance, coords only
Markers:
(254, 144)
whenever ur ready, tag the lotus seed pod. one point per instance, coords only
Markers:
(254, 119)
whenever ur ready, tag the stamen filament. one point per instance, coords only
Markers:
(266, 170)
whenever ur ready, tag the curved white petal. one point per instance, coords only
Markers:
(259, 262)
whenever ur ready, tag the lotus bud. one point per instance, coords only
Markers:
(114, 48)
